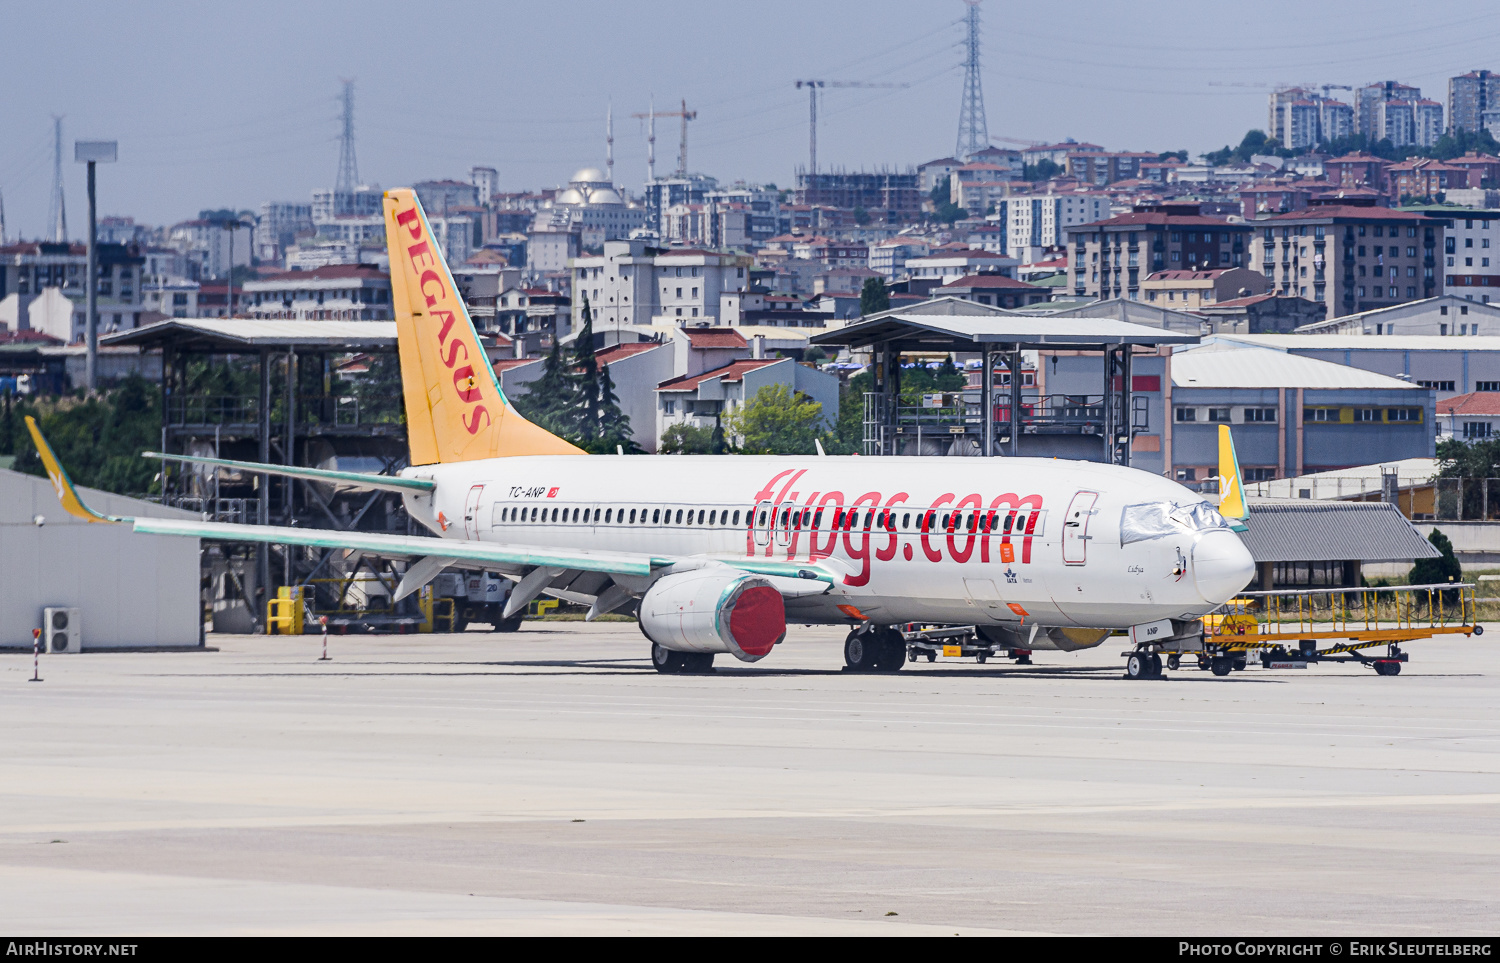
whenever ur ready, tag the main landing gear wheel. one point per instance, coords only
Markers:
(512, 624)
(863, 651)
(669, 662)
(892, 648)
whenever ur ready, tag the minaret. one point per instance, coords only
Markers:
(651, 142)
(609, 144)
(2, 217)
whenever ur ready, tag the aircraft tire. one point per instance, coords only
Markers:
(1155, 666)
(512, 624)
(892, 652)
(1137, 666)
(698, 663)
(666, 661)
(861, 652)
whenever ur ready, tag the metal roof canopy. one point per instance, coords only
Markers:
(234, 335)
(1320, 530)
(930, 332)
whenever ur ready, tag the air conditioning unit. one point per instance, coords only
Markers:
(62, 631)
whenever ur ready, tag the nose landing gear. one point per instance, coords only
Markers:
(1143, 664)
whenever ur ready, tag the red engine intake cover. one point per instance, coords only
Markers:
(757, 619)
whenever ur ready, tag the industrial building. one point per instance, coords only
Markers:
(1448, 365)
(129, 590)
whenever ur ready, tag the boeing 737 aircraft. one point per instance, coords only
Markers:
(717, 554)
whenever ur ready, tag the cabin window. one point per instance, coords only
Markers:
(1020, 523)
(714, 519)
(679, 516)
(786, 514)
(607, 513)
(763, 517)
(1010, 522)
(906, 520)
(690, 516)
(701, 513)
(736, 519)
(534, 510)
(632, 516)
(817, 518)
(656, 516)
(973, 521)
(946, 520)
(838, 517)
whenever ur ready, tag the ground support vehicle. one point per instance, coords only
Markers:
(1283, 629)
(478, 597)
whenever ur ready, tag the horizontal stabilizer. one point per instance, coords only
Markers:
(353, 479)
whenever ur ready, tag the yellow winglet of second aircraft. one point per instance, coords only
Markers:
(66, 494)
(1232, 503)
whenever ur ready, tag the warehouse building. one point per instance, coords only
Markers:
(131, 591)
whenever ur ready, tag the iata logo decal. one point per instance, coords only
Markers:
(430, 283)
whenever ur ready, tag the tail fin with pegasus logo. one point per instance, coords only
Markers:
(455, 409)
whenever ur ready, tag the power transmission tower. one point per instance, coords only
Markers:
(973, 130)
(348, 178)
(58, 214)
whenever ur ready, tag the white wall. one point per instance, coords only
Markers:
(134, 590)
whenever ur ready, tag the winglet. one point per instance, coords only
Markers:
(66, 494)
(1232, 503)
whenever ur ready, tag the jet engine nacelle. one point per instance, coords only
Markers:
(714, 610)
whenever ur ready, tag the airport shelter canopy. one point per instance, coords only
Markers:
(936, 332)
(234, 335)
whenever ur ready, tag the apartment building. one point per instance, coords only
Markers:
(1109, 258)
(1471, 253)
(340, 292)
(889, 257)
(1191, 290)
(1469, 96)
(1367, 101)
(950, 265)
(1351, 257)
(632, 284)
(1099, 168)
(1042, 220)
(29, 268)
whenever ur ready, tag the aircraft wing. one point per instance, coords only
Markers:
(353, 479)
(790, 578)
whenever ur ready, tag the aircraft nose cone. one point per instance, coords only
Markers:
(1222, 566)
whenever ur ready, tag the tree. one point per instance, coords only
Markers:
(100, 439)
(585, 422)
(874, 297)
(944, 210)
(548, 400)
(1181, 155)
(685, 439)
(1437, 571)
(614, 424)
(777, 421)
(861, 216)
(1042, 170)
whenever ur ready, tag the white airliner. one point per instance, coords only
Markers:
(717, 554)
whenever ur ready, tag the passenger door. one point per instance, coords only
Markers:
(1075, 535)
(762, 522)
(471, 512)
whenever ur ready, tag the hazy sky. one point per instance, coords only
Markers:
(219, 104)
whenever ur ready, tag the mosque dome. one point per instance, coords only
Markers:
(589, 175)
(570, 196)
(605, 195)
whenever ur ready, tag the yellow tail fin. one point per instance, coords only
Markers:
(1231, 486)
(63, 485)
(455, 410)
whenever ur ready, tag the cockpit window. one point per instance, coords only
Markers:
(1148, 520)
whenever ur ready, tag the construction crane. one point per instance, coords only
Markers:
(686, 116)
(1279, 86)
(812, 112)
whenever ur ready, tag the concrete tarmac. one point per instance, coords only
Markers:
(549, 782)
